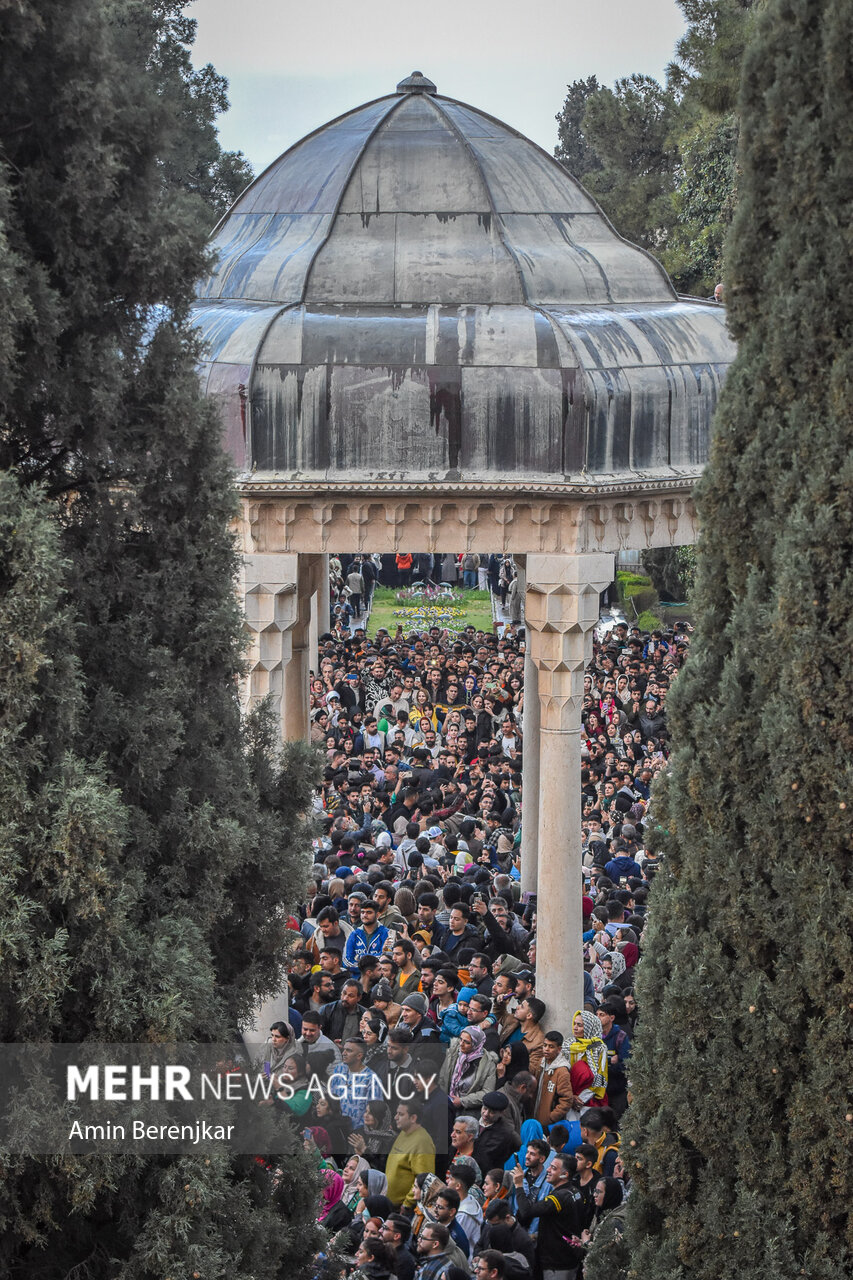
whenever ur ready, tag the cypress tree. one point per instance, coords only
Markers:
(151, 842)
(741, 1133)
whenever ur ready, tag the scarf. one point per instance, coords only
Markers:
(430, 1188)
(630, 954)
(379, 1141)
(529, 1129)
(620, 963)
(331, 1193)
(591, 1050)
(466, 1061)
(280, 1053)
(377, 1183)
(322, 1141)
(351, 1194)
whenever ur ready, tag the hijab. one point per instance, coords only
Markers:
(465, 1061)
(620, 961)
(322, 1141)
(595, 970)
(332, 1192)
(377, 1184)
(613, 1194)
(351, 1191)
(630, 953)
(376, 1050)
(592, 1027)
(530, 1129)
(519, 1059)
(378, 1206)
(379, 1140)
(591, 1050)
(280, 1053)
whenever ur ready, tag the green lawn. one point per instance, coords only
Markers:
(469, 608)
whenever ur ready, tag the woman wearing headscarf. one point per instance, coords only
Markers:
(342, 1212)
(326, 1111)
(352, 1171)
(377, 1206)
(607, 1256)
(374, 1032)
(619, 975)
(588, 1056)
(594, 969)
(332, 1190)
(372, 1183)
(376, 1136)
(426, 1190)
(294, 1094)
(513, 1058)
(630, 953)
(468, 1071)
(281, 1045)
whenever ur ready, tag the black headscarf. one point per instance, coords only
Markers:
(381, 1206)
(612, 1193)
(519, 1059)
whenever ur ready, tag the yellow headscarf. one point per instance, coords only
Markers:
(591, 1049)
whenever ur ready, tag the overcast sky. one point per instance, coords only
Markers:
(294, 66)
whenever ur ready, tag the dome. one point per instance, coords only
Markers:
(417, 290)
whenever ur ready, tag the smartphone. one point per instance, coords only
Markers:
(516, 1159)
(306, 1133)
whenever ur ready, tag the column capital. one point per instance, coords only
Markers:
(560, 610)
(594, 569)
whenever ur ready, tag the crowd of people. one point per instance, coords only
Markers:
(353, 581)
(459, 1137)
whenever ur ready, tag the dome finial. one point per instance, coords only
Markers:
(417, 82)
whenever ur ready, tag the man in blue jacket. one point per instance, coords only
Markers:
(622, 865)
(368, 939)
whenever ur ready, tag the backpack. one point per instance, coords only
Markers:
(516, 1266)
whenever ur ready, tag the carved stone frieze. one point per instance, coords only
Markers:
(510, 518)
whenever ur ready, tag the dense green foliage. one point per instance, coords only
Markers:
(636, 591)
(672, 570)
(150, 842)
(660, 158)
(709, 55)
(742, 1122)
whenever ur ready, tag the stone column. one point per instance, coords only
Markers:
(320, 609)
(530, 770)
(324, 603)
(314, 637)
(529, 758)
(295, 721)
(269, 582)
(561, 609)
